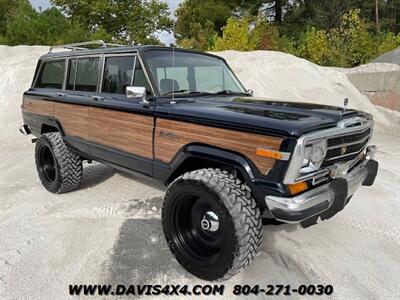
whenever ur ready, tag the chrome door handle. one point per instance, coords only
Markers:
(97, 98)
(61, 94)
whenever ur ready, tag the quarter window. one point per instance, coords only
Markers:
(83, 74)
(51, 75)
(118, 74)
(140, 79)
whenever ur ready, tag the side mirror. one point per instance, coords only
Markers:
(135, 92)
(250, 92)
(138, 92)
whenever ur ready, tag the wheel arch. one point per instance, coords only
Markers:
(51, 125)
(198, 156)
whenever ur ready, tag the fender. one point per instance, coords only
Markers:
(36, 123)
(215, 156)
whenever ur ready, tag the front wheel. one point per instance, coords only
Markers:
(211, 223)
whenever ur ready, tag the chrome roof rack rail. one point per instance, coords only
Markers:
(80, 46)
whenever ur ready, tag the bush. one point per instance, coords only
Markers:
(235, 36)
(315, 46)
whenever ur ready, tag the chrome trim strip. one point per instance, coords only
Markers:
(293, 170)
(351, 143)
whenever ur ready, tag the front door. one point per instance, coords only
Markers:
(121, 128)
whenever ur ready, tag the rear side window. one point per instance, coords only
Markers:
(51, 75)
(118, 74)
(83, 74)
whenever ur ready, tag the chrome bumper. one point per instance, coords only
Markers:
(316, 201)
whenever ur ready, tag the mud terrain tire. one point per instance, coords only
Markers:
(59, 169)
(231, 239)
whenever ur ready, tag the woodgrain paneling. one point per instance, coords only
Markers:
(73, 118)
(170, 136)
(129, 132)
(40, 107)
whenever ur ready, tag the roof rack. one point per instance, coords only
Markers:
(79, 46)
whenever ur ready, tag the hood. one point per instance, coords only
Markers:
(256, 114)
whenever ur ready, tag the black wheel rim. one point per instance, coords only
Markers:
(47, 164)
(198, 229)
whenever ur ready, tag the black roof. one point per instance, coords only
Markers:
(125, 49)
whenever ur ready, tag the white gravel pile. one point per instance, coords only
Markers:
(283, 76)
(17, 67)
(371, 68)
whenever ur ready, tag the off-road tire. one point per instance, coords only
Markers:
(59, 169)
(238, 214)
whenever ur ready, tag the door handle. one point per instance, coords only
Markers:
(97, 98)
(61, 94)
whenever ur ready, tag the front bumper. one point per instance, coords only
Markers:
(324, 201)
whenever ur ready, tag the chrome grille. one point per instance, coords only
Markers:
(346, 147)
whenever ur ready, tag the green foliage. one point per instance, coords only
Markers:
(265, 36)
(235, 36)
(130, 20)
(387, 42)
(315, 46)
(198, 21)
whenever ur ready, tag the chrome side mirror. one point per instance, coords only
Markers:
(138, 92)
(250, 92)
(135, 92)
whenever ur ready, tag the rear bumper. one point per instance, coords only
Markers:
(324, 201)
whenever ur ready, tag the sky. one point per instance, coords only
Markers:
(164, 37)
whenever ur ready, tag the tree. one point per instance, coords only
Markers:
(236, 36)
(265, 35)
(134, 21)
(351, 43)
(315, 46)
(198, 21)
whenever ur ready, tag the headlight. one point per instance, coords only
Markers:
(314, 154)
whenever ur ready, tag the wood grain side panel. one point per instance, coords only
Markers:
(171, 135)
(73, 118)
(40, 107)
(129, 132)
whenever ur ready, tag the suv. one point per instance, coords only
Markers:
(230, 160)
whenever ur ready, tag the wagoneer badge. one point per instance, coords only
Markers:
(343, 150)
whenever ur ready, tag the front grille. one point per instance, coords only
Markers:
(346, 147)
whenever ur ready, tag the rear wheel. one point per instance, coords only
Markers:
(59, 169)
(211, 223)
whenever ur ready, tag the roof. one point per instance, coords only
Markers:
(124, 49)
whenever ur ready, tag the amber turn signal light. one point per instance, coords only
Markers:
(297, 187)
(269, 153)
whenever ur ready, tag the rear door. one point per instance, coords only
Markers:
(81, 87)
(121, 128)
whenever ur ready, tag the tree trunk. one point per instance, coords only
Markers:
(378, 29)
(278, 11)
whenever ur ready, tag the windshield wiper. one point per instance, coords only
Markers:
(181, 92)
(230, 92)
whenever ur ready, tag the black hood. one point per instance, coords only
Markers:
(258, 115)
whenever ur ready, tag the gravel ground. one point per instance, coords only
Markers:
(109, 231)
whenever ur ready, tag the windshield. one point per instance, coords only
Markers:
(186, 72)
